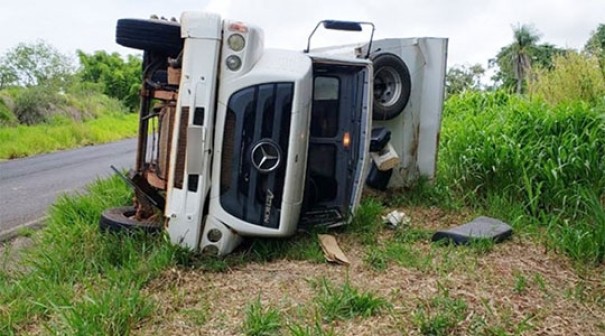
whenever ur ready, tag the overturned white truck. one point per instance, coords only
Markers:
(237, 140)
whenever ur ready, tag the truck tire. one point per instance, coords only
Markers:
(119, 219)
(153, 35)
(392, 86)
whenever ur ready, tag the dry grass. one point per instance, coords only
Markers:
(517, 287)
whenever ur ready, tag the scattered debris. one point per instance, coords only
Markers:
(331, 250)
(386, 158)
(396, 218)
(479, 228)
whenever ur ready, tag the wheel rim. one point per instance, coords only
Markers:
(387, 86)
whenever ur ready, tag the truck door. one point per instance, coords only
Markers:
(336, 142)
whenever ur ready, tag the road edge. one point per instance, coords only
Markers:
(16, 231)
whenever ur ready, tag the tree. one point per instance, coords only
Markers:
(8, 77)
(117, 77)
(462, 78)
(514, 60)
(38, 63)
(596, 43)
(595, 46)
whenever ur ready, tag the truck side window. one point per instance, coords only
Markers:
(326, 105)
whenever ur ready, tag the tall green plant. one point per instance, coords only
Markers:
(515, 61)
(573, 77)
(545, 157)
(118, 77)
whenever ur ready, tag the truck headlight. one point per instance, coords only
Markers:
(233, 63)
(236, 42)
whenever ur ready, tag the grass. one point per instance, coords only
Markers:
(22, 141)
(540, 164)
(535, 166)
(306, 330)
(346, 302)
(261, 321)
(76, 280)
(440, 315)
(39, 119)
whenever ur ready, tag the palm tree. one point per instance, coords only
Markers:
(514, 60)
(524, 44)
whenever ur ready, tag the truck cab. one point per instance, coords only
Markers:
(236, 140)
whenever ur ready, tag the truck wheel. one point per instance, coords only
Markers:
(152, 35)
(392, 86)
(120, 219)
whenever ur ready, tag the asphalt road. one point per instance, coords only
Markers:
(28, 186)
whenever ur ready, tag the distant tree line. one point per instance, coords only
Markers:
(39, 64)
(518, 62)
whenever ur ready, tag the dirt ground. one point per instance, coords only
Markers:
(516, 288)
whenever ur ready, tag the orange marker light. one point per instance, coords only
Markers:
(346, 140)
(238, 27)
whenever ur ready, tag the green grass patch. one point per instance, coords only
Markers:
(307, 330)
(345, 301)
(366, 224)
(530, 163)
(76, 280)
(21, 141)
(440, 315)
(261, 321)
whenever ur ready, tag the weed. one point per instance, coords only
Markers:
(197, 316)
(520, 283)
(315, 330)
(425, 192)
(440, 315)
(481, 246)
(26, 232)
(346, 302)
(573, 77)
(366, 222)
(404, 254)
(541, 283)
(412, 234)
(304, 246)
(112, 311)
(261, 321)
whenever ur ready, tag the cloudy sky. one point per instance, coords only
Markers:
(477, 29)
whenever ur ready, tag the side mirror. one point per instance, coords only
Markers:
(345, 26)
(342, 25)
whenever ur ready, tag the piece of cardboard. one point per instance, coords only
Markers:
(331, 250)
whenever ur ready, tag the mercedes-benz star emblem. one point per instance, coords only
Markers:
(265, 156)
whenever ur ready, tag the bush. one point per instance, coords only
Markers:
(573, 77)
(35, 104)
(6, 115)
(117, 77)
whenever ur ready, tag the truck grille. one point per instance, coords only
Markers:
(257, 120)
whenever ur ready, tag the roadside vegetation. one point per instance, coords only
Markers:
(47, 103)
(535, 160)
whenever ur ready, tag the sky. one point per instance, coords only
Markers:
(476, 29)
